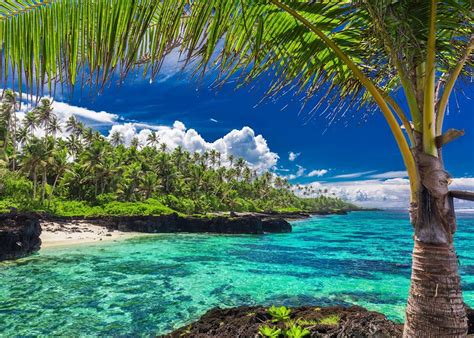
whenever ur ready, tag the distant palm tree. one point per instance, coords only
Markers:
(34, 158)
(22, 135)
(134, 143)
(54, 126)
(30, 121)
(59, 166)
(74, 145)
(71, 124)
(44, 114)
(8, 125)
(116, 138)
(153, 139)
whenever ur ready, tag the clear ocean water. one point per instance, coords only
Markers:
(153, 284)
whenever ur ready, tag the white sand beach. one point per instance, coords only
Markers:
(66, 233)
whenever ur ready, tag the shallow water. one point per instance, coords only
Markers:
(154, 284)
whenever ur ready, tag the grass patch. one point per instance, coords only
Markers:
(331, 320)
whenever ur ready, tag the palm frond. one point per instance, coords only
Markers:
(47, 43)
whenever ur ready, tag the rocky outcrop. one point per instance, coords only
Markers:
(275, 225)
(334, 321)
(175, 223)
(19, 235)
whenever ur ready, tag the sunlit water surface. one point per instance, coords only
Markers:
(153, 284)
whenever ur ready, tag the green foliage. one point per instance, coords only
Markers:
(269, 331)
(114, 208)
(295, 331)
(281, 313)
(331, 320)
(15, 187)
(90, 175)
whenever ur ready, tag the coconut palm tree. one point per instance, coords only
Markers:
(116, 138)
(34, 158)
(400, 58)
(153, 139)
(44, 114)
(59, 166)
(8, 121)
(74, 145)
(54, 127)
(71, 124)
(30, 122)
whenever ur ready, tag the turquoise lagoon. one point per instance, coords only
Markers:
(154, 284)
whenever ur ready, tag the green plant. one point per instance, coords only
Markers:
(295, 331)
(281, 313)
(330, 320)
(269, 331)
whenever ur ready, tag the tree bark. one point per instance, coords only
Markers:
(435, 305)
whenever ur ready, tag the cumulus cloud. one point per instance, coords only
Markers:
(242, 143)
(292, 156)
(317, 173)
(389, 193)
(252, 148)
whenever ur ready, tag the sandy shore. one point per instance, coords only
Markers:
(68, 233)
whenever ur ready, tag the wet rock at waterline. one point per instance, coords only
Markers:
(19, 235)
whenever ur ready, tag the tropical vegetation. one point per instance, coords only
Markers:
(87, 174)
(402, 58)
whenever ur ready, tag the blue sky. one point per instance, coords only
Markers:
(350, 145)
(354, 158)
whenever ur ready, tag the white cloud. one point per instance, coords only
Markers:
(300, 171)
(64, 110)
(252, 148)
(292, 156)
(355, 175)
(242, 143)
(390, 174)
(390, 193)
(317, 173)
(239, 143)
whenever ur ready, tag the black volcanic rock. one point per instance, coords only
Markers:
(245, 321)
(275, 225)
(175, 223)
(19, 235)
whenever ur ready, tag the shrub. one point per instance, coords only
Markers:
(269, 331)
(281, 313)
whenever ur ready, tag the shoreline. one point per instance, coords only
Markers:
(23, 233)
(76, 232)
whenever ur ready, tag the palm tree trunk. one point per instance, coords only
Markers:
(435, 305)
(43, 187)
(52, 189)
(35, 180)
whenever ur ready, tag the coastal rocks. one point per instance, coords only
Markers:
(275, 225)
(245, 321)
(175, 223)
(19, 235)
